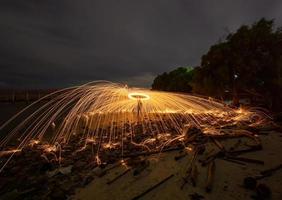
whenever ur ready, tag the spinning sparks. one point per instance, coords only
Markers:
(113, 117)
(138, 96)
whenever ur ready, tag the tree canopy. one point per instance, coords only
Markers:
(177, 80)
(249, 60)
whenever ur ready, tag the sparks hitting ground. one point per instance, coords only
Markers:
(112, 116)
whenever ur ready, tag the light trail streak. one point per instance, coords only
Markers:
(112, 116)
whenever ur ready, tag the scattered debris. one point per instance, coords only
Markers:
(146, 153)
(78, 168)
(269, 172)
(62, 170)
(236, 145)
(250, 183)
(98, 171)
(234, 161)
(141, 167)
(119, 176)
(243, 159)
(210, 176)
(247, 150)
(212, 157)
(194, 175)
(263, 191)
(191, 172)
(218, 144)
(180, 156)
(153, 187)
(87, 180)
(196, 196)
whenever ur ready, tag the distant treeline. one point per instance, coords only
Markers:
(247, 62)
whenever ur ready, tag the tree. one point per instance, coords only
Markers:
(177, 80)
(248, 60)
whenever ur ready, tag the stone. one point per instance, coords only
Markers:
(12, 195)
(250, 183)
(87, 180)
(46, 167)
(80, 164)
(99, 172)
(141, 167)
(263, 191)
(62, 170)
(57, 194)
(196, 196)
(66, 170)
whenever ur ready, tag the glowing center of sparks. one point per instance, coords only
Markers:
(138, 96)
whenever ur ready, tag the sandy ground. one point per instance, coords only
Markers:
(227, 183)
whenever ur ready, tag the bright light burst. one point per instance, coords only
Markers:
(138, 96)
(112, 116)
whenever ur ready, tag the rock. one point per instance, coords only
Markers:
(52, 173)
(80, 164)
(57, 194)
(41, 181)
(250, 183)
(66, 170)
(76, 178)
(67, 161)
(263, 191)
(201, 149)
(141, 167)
(87, 180)
(62, 170)
(12, 195)
(99, 172)
(196, 196)
(15, 169)
(180, 156)
(46, 167)
(4, 183)
(103, 165)
(192, 130)
(69, 187)
(28, 192)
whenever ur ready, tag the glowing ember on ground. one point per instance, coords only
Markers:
(113, 117)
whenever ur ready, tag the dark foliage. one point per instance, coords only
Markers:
(248, 61)
(177, 80)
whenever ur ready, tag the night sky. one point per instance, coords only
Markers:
(59, 43)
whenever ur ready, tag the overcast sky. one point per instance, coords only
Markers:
(58, 43)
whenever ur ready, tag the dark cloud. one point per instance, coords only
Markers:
(51, 43)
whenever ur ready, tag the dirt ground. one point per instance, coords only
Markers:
(227, 184)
